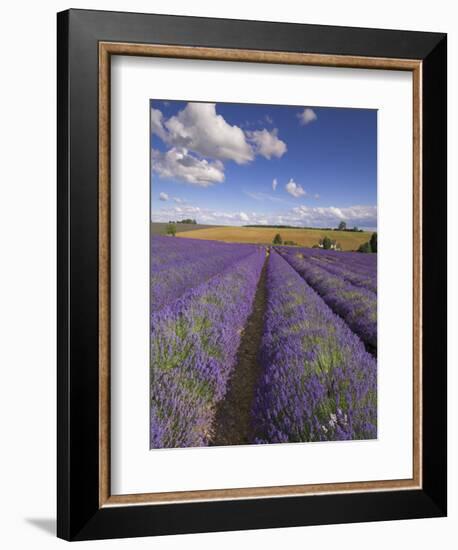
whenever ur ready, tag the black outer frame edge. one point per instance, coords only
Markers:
(63, 433)
(79, 517)
(172, 519)
(434, 292)
(77, 369)
(253, 35)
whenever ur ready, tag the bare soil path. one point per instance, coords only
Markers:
(233, 417)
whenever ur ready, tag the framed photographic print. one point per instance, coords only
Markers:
(252, 274)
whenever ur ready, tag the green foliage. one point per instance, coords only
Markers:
(291, 243)
(277, 239)
(171, 229)
(365, 248)
(327, 243)
(342, 226)
(370, 246)
(373, 242)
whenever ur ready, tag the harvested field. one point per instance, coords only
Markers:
(348, 240)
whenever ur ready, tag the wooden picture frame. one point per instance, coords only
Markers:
(86, 42)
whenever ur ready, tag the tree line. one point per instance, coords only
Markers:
(186, 220)
(329, 244)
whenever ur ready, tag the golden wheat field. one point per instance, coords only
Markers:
(348, 240)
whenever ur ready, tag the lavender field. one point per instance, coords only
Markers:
(256, 344)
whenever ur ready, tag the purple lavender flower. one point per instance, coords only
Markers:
(356, 305)
(358, 269)
(194, 343)
(318, 381)
(179, 264)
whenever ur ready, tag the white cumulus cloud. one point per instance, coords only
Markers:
(330, 216)
(267, 143)
(201, 139)
(306, 116)
(338, 213)
(295, 189)
(200, 129)
(163, 197)
(157, 124)
(299, 216)
(274, 184)
(178, 163)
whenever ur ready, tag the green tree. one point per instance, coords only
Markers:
(171, 229)
(342, 226)
(365, 248)
(277, 239)
(373, 242)
(327, 243)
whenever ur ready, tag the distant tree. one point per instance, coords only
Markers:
(290, 243)
(373, 242)
(277, 239)
(365, 248)
(342, 226)
(327, 243)
(171, 229)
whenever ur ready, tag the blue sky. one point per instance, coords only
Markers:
(238, 164)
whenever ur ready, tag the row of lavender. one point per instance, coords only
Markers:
(318, 381)
(356, 304)
(348, 265)
(358, 269)
(180, 264)
(194, 343)
(168, 251)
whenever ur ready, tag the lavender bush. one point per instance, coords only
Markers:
(180, 264)
(356, 305)
(194, 342)
(318, 381)
(341, 264)
(168, 250)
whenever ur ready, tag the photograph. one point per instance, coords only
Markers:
(263, 287)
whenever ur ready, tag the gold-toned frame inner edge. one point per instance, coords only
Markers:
(106, 49)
